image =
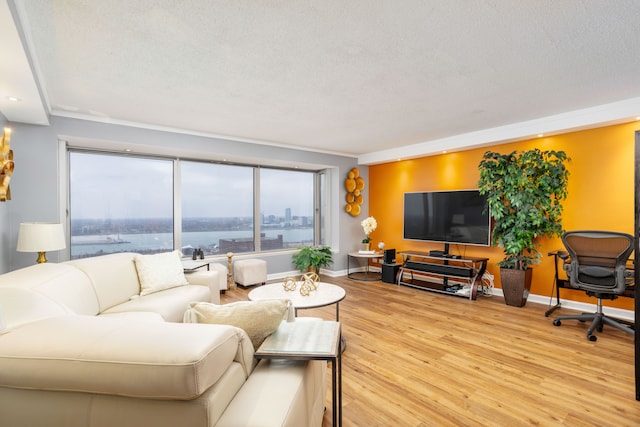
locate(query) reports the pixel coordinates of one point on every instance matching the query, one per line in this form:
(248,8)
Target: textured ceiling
(352,77)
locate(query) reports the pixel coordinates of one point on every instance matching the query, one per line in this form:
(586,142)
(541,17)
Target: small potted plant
(369,225)
(311,258)
(524,191)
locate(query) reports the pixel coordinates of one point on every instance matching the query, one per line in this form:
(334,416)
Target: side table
(309,339)
(191,266)
(366,275)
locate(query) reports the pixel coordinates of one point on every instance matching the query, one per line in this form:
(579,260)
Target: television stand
(443,274)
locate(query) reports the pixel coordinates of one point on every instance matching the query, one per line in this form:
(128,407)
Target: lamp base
(42,257)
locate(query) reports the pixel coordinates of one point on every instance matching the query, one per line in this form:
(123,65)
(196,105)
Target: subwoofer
(389,256)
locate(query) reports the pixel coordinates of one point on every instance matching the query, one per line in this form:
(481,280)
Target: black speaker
(390,272)
(389,256)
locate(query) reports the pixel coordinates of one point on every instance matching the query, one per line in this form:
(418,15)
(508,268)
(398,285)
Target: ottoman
(250,272)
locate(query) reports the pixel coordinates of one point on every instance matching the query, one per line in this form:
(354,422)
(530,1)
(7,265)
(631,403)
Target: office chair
(597,264)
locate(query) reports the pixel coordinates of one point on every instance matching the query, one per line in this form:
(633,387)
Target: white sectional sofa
(80,346)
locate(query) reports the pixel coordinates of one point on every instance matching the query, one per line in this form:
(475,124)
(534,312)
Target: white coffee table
(326,294)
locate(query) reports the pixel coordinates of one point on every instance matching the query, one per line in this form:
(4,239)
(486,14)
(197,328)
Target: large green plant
(312,256)
(524,192)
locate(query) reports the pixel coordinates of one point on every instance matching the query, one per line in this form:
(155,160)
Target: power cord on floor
(487,284)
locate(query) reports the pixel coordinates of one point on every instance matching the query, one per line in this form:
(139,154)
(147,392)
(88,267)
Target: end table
(309,339)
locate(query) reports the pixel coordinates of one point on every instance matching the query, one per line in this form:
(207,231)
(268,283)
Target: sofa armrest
(210,279)
(222,273)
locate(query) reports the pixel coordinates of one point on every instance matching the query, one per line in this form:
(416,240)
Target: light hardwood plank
(416,358)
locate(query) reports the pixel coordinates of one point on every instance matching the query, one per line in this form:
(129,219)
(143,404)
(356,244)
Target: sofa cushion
(19,306)
(137,316)
(159,272)
(32,408)
(280,393)
(60,282)
(170,303)
(259,319)
(111,355)
(113,277)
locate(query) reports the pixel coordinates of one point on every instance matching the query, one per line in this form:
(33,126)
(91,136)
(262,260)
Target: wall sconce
(6,165)
(40,237)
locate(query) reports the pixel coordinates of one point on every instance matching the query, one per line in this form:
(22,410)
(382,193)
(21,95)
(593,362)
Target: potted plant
(311,258)
(524,191)
(369,225)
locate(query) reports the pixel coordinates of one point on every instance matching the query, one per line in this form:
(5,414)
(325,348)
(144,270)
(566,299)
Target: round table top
(326,294)
(361,255)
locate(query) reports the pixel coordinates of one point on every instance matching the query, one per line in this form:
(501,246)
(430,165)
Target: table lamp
(40,237)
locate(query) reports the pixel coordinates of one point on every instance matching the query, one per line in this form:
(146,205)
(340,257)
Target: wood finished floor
(416,358)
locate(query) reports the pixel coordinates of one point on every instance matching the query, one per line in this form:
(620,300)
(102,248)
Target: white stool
(250,272)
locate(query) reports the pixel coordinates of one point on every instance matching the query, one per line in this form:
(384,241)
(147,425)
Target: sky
(113,186)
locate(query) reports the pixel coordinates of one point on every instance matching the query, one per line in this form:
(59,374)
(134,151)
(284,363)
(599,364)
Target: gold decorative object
(290,284)
(354,184)
(308,282)
(311,279)
(305,289)
(6,165)
(350,184)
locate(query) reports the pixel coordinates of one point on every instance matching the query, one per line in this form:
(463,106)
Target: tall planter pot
(516,285)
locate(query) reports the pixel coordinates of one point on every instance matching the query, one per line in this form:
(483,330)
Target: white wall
(36,193)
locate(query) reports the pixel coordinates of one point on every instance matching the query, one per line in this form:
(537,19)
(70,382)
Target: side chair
(597,264)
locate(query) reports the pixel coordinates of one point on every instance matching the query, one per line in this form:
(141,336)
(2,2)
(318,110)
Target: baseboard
(575,305)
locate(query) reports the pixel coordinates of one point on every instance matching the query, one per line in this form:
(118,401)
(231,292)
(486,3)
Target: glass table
(191,266)
(309,339)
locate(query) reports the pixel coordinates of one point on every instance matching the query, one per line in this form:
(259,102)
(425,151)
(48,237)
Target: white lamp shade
(40,237)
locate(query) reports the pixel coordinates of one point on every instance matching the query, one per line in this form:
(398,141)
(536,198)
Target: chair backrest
(598,260)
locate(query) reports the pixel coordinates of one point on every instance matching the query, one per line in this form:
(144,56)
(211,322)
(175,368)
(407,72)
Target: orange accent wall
(600,194)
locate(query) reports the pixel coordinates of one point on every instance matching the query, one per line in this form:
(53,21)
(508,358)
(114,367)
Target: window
(286,208)
(217,208)
(119,203)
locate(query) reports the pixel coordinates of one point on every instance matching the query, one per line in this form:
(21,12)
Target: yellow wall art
(354,184)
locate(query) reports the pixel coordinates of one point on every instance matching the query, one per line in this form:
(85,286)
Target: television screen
(458,216)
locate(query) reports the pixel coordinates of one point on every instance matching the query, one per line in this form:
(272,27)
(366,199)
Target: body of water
(84,246)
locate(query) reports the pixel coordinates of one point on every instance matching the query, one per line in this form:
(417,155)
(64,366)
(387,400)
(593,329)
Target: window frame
(320,234)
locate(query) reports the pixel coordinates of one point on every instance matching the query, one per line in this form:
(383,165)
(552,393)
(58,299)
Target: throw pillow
(160,271)
(259,319)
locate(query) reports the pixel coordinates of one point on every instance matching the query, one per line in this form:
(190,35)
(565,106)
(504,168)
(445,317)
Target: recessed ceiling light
(540,135)
(13,98)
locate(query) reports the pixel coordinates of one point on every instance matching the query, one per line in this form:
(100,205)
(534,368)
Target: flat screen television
(459,216)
